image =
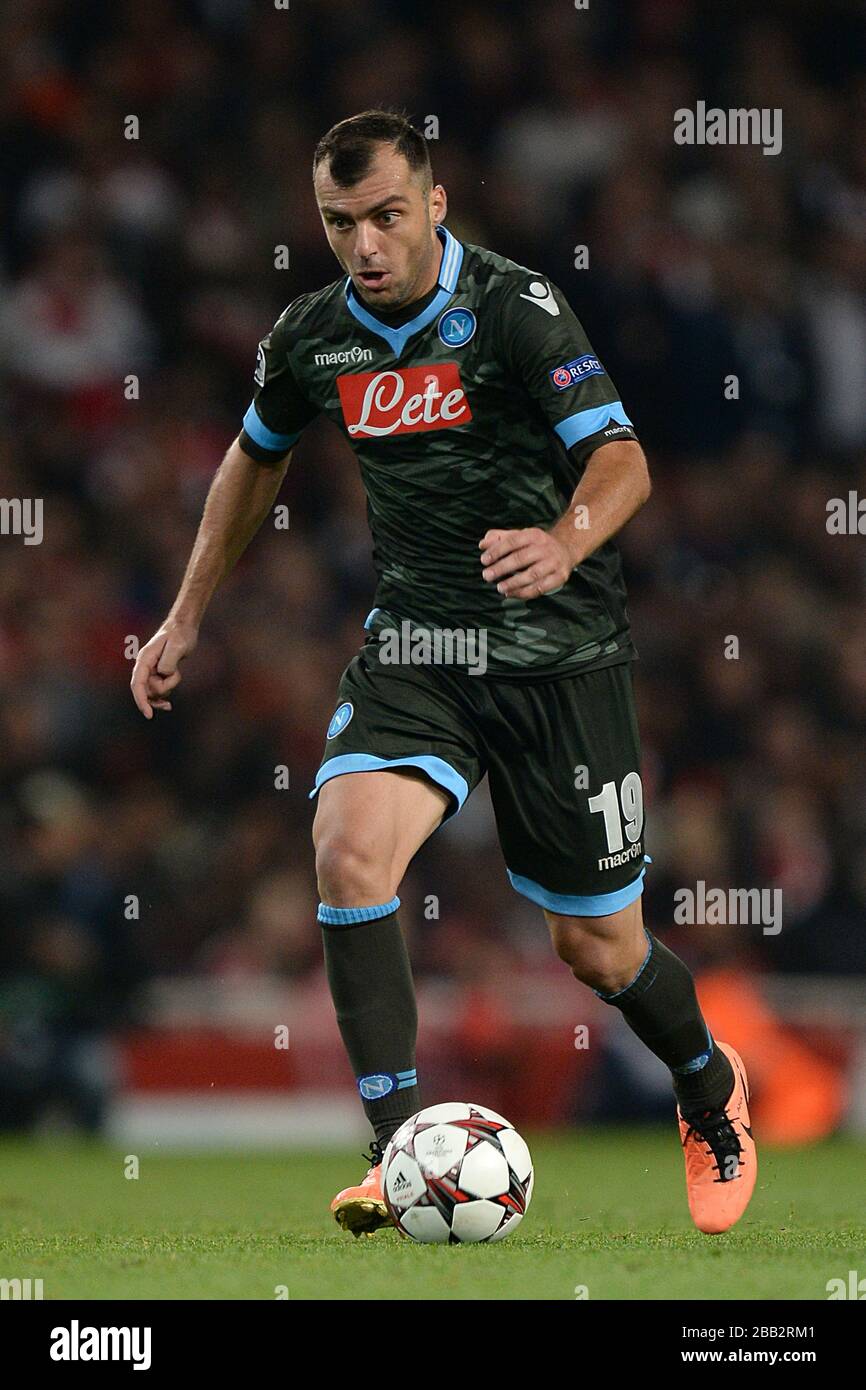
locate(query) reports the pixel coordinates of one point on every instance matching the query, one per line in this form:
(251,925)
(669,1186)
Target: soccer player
(498,463)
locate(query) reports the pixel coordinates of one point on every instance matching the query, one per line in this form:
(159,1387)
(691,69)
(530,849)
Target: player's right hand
(155,673)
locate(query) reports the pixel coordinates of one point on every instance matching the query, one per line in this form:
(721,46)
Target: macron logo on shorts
(377,404)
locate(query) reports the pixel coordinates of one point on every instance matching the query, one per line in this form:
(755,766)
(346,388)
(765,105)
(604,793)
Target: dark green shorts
(562,757)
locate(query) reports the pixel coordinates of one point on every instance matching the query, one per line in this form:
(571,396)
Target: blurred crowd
(136,278)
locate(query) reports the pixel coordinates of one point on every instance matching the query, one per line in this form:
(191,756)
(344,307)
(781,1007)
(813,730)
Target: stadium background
(155,257)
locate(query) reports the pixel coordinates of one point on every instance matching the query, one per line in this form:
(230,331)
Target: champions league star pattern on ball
(479,411)
(455,1174)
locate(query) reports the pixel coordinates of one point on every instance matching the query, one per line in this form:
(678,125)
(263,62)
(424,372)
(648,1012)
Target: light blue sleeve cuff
(265,438)
(587,422)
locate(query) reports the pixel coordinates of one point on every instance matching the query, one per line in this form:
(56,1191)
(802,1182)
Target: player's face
(382,230)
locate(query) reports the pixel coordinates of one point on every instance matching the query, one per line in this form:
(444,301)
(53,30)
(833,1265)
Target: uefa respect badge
(570,373)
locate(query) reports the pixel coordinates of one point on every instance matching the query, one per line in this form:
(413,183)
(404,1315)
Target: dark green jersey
(478,412)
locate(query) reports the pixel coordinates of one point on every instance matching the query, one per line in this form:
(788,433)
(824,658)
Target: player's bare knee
(589,956)
(600,951)
(352,873)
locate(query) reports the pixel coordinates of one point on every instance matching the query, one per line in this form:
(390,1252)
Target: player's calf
(655,993)
(368,825)
(628,968)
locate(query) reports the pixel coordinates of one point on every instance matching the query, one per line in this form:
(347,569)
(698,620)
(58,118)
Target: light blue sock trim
(697,1063)
(609,998)
(345,916)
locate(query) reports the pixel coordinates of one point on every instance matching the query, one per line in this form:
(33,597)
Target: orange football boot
(362,1209)
(721,1158)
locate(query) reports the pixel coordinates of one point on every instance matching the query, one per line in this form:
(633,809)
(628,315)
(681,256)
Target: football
(455,1174)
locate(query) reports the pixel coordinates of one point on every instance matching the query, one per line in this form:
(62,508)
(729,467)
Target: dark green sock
(661,1007)
(368,970)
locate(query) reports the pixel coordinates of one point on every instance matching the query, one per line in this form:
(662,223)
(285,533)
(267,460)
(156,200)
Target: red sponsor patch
(407,401)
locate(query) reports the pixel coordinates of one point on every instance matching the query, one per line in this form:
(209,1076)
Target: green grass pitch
(608,1214)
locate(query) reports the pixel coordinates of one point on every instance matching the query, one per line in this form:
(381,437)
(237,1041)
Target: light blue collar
(449,272)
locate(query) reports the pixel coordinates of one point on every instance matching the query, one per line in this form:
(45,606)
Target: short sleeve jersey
(478,412)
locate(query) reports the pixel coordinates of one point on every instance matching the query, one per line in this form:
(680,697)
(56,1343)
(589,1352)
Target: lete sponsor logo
(376,404)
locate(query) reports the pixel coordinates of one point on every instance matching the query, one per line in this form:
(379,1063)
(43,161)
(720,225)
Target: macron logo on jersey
(542,295)
(376,404)
(572,372)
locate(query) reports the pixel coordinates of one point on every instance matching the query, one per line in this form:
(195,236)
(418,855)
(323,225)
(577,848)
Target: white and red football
(457,1173)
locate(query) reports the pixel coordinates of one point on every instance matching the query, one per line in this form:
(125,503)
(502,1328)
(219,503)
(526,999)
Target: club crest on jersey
(342,715)
(404,401)
(457,326)
(570,373)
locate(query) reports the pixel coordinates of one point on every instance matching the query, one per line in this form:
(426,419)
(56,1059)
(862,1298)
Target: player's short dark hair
(350,145)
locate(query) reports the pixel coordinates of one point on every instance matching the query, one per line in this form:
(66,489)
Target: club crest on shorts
(457,326)
(342,715)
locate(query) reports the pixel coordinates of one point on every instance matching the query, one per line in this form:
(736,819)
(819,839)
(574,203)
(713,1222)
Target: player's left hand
(525,564)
